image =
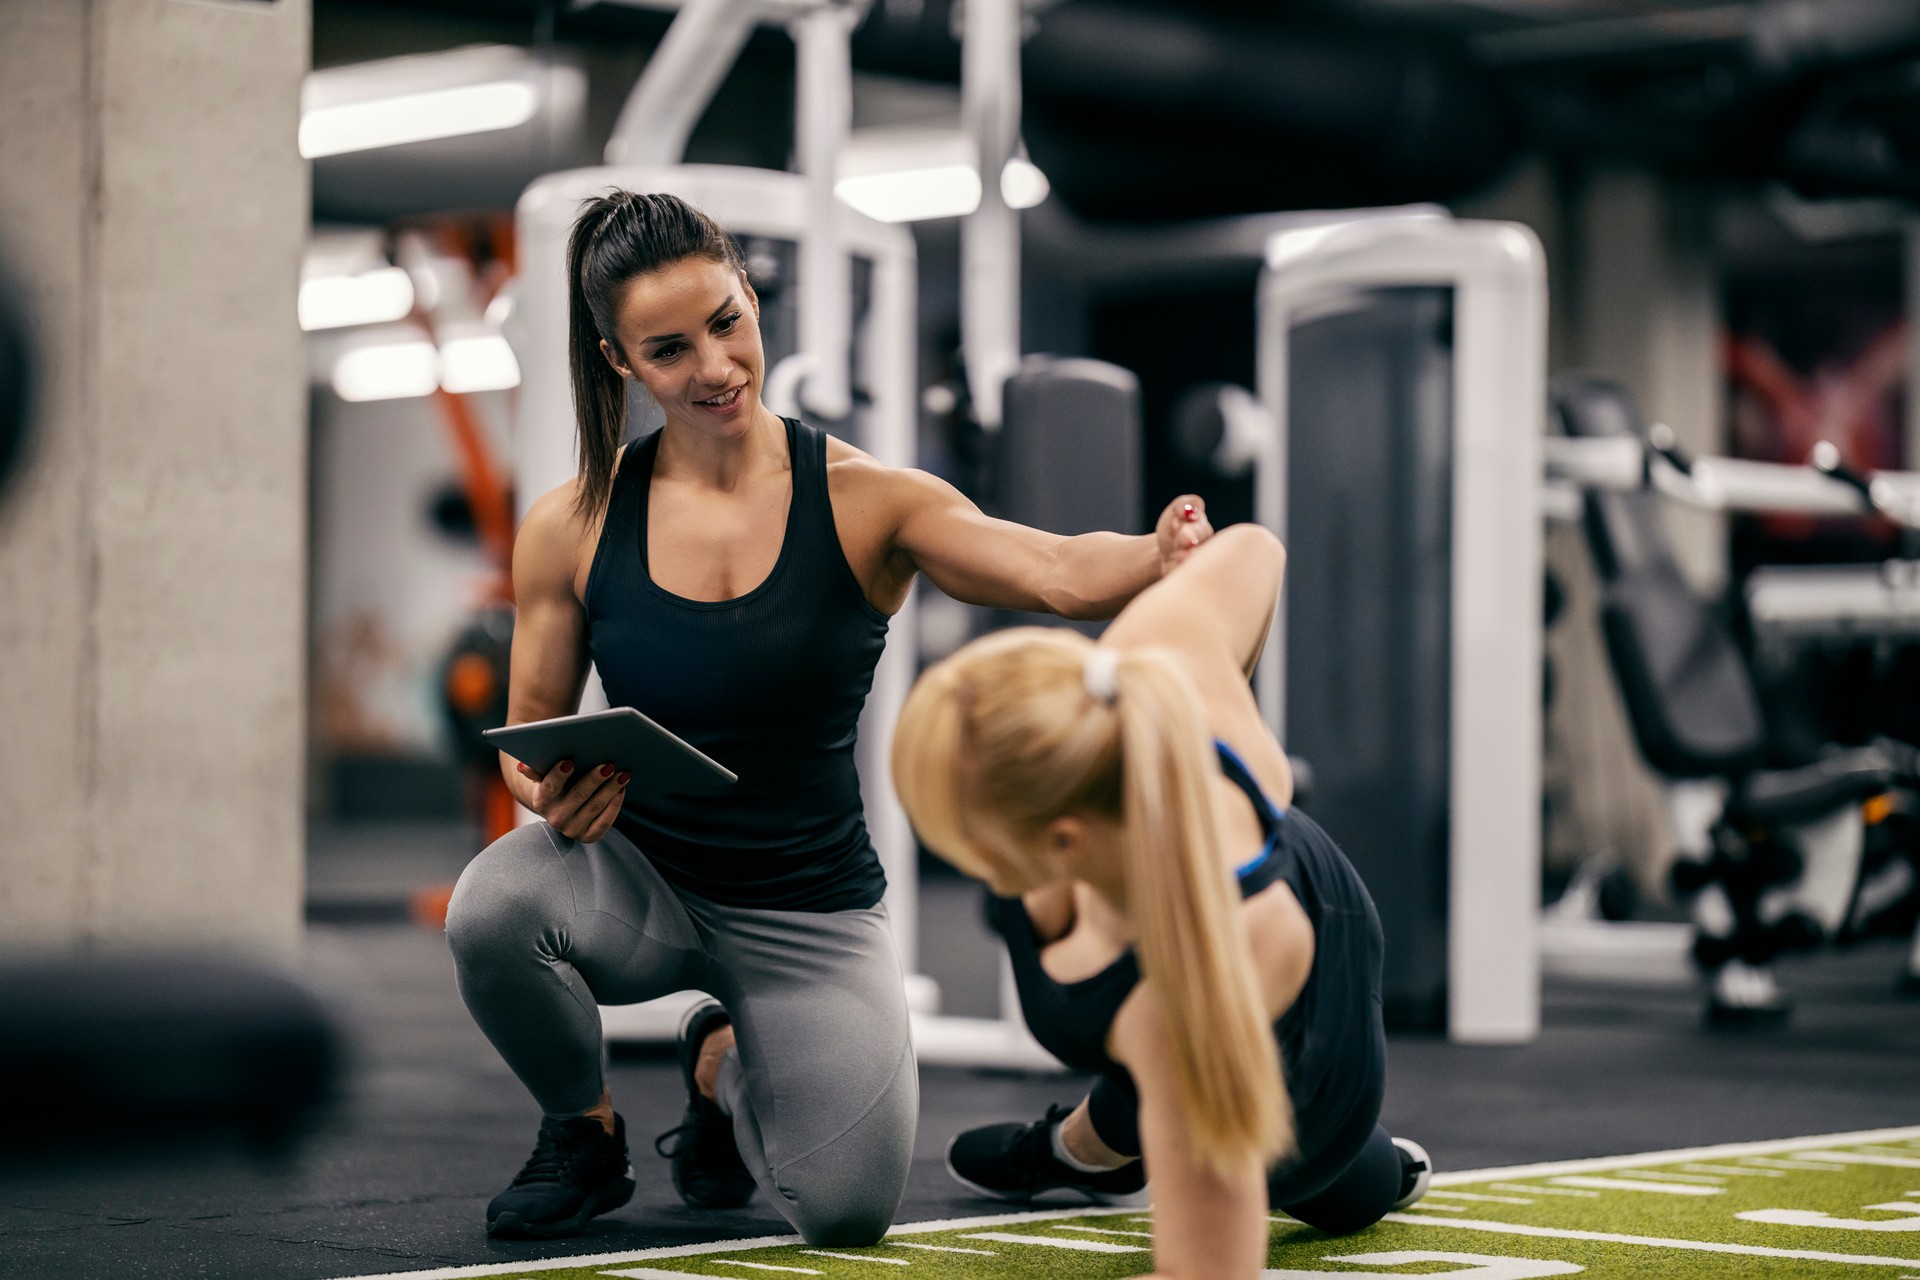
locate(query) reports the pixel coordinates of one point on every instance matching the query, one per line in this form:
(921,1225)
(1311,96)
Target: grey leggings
(822,1085)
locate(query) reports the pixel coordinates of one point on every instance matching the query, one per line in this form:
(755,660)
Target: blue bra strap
(1270,818)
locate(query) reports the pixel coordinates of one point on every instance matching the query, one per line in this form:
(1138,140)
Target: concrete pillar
(153,205)
(1634,296)
(1647,313)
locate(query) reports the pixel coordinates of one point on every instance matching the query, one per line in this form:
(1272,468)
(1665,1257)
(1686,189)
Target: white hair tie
(1102,675)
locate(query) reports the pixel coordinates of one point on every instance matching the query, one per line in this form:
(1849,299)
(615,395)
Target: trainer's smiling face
(690,334)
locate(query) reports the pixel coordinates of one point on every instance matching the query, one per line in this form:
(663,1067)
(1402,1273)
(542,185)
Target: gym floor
(430,1124)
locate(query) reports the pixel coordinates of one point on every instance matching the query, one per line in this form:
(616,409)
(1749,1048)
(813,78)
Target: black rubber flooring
(431,1124)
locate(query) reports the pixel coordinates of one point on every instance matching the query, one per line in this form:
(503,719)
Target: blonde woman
(1174,926)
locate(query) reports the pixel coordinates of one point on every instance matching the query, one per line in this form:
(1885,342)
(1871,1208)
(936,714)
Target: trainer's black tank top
(1331,1044)
(770,684)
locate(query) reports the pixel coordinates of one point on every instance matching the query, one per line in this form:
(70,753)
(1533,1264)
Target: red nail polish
(1188,513)
(624,779)
(606,771)
(566,766)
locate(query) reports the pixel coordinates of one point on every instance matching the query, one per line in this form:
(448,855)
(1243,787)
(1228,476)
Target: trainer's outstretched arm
(980,560)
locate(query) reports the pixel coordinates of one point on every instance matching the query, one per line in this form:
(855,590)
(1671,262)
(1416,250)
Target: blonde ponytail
(1185,906)
(1019,728)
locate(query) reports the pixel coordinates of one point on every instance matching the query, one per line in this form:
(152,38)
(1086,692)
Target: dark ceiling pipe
(1139,114)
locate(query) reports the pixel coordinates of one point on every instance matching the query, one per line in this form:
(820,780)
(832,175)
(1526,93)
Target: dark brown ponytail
(616,237)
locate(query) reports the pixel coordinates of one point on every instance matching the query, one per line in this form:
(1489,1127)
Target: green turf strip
(1840,1206)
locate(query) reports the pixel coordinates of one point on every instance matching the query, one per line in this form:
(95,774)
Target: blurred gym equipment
(170,1052)
(1770,858)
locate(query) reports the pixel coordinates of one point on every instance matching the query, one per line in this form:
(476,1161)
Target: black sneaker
(1416,1172)
(707,1169)
(577,1171)
(1015,1162)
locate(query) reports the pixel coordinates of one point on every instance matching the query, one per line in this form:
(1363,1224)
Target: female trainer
(1174,926)
(731,576)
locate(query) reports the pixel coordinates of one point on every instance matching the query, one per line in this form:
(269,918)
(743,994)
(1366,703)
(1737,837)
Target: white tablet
(662,764)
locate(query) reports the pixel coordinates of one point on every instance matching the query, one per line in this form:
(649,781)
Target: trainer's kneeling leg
(821,1083)
(542,928)
(845,1192)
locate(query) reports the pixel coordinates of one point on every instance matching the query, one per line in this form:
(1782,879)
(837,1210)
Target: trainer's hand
(580,807)
(1180,528)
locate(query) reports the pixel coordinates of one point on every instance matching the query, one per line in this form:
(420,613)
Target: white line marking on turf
(1102,1231)
(1909,1136)
(678,1252)
(1533,1189)
(1608,1237)
(1661,1176)
(1477,1264)
(1763,1162)
(1086,1246)
(1731,1171)
(762,1266)
(1628,1184)
(1864,1157)
(856,1257)
(649,1273)
(1721,1152)
(943,1248)
(1468,1195)
(1815,1218)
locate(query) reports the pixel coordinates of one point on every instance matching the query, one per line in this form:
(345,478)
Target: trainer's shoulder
(858,476)
(558,524)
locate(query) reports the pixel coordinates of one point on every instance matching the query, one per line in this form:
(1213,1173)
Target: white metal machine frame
(1497,273)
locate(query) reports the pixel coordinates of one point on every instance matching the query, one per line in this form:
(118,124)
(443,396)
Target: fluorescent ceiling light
(371,297)
(416,117)
(939,191)
(909,174)
(1022,185)
(481,363)
(909,195)
(387,371)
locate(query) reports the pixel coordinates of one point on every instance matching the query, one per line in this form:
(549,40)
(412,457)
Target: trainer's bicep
(969,555)
(548,667)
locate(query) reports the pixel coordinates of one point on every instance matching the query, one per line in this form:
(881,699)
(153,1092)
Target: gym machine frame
(1497,275)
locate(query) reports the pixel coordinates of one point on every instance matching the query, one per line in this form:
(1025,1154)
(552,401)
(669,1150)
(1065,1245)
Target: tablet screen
(661,763)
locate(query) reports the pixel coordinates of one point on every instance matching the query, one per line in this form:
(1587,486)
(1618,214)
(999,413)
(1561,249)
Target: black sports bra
(1071,1019)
